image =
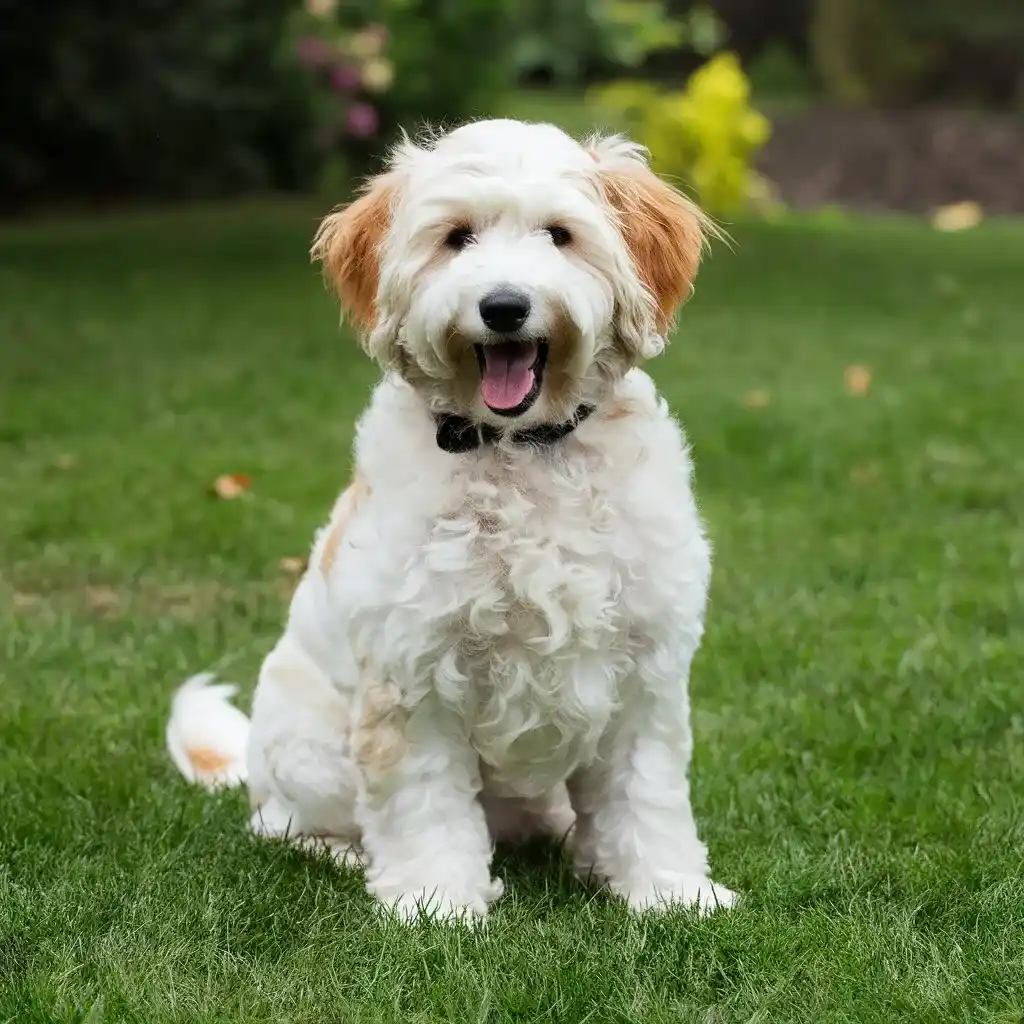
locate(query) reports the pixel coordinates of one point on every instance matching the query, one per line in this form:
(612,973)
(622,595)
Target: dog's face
(508,272)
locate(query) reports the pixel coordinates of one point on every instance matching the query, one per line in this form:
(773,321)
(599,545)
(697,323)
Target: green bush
(864,53)
(378,66)
(148,98)
(570,39)
(707,135)
(878,51)
(898,51)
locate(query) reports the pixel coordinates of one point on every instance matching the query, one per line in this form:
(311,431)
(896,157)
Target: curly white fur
(488,644)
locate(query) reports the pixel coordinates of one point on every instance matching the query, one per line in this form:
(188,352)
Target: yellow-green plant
(707,134)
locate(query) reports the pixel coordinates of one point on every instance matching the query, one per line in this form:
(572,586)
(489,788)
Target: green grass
(859,717)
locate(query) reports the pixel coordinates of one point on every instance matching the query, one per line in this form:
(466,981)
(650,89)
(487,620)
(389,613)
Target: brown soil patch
(877,161)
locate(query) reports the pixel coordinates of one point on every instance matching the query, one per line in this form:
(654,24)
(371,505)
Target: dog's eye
(559,235)
(458,238)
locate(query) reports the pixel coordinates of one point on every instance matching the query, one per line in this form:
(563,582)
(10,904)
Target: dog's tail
(207,735)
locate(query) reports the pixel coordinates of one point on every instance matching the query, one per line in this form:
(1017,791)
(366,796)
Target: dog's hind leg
(302,781)
(277,820)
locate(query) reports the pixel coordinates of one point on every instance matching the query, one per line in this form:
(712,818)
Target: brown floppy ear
(663,231)
(348,245)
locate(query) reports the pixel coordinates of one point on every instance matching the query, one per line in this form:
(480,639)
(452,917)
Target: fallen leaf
(102,598)
(857,380)
(292,565)
(865,474)
(756,399)
(957,216)
(952,454)
(231,485)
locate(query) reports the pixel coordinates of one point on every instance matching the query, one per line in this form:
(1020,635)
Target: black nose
(504,309)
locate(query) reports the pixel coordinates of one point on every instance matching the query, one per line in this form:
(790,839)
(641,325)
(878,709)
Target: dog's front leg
(423,826)
(635,826)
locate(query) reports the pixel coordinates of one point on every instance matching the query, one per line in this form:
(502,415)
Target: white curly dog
(494,634)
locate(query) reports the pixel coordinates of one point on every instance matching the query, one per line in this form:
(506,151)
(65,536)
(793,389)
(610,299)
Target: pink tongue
(508,373)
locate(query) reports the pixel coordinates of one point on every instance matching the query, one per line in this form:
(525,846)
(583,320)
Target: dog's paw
(685,891)
(452,905)
(344,852)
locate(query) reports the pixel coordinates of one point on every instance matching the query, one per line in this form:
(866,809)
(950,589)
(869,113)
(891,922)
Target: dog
(494,634)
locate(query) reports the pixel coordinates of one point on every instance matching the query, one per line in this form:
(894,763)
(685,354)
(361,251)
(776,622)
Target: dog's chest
(539,645)
(541,568)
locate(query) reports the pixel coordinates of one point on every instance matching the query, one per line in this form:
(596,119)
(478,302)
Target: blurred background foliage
(705,134)
(149,98)
(567,41)
(898,51)
(162,99)
(375,66)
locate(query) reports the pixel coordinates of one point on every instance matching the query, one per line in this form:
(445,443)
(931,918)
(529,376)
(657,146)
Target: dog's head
(510,273)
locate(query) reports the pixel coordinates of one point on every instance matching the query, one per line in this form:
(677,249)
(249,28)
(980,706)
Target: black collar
(457,434)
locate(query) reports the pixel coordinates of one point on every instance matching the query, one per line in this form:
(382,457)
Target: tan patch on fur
(348,245)
(379,742)
(464,382)
(330,550)
(206,759)
(489,523)
(344,510)
(564,370)
(619,411)
(663,230)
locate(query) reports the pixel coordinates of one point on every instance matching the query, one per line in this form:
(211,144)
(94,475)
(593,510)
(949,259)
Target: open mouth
(510,375)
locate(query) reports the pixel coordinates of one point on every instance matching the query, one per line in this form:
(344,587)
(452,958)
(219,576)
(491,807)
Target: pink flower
(344,78)
(312,52)
(361,120)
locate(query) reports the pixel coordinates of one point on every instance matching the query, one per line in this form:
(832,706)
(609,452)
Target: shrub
(896,51)
(376,66)
(706,134)
(570,39)
(148,98)
(863,53)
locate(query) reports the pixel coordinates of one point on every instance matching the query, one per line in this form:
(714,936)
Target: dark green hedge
(960,51)
(156,98)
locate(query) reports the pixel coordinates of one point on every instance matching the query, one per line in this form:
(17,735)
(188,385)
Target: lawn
(859,712)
